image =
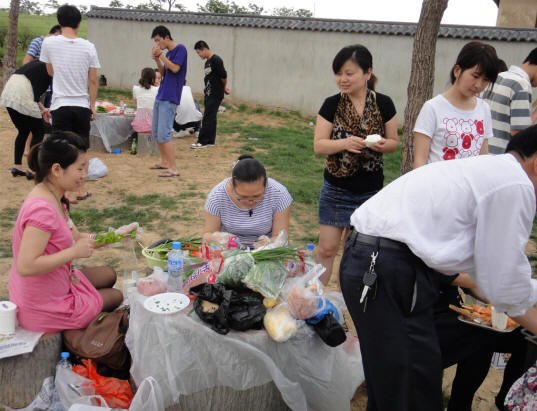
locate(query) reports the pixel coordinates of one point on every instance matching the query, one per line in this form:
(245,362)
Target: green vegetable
(111,237)
(101,109)
(278,253)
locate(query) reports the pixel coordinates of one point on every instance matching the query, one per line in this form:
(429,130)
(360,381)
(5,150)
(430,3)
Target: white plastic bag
(96,169)
(148,397)
(75,389)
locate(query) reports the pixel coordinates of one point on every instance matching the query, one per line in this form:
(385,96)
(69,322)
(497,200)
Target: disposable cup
(8,317)
(499,319)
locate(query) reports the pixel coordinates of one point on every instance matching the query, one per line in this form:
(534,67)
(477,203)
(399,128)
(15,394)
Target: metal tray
(488,327)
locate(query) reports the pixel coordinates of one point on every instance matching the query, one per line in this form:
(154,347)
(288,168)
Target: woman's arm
(422,147)
(280,221)
(31,261)
(323,145)
(484,147)
(391,140)
(212,225)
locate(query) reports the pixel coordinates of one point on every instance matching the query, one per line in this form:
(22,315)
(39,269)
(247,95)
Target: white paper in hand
(372,139)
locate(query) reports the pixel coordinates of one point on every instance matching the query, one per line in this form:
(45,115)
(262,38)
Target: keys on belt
(369,280)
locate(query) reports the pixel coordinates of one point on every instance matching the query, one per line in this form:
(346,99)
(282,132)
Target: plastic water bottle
(64,362)
(309,257)
(176,262)
(122,106)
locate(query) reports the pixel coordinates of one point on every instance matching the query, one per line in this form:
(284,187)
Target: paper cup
(499,319)
(8,317)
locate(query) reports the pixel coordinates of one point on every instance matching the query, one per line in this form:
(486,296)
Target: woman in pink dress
(144,93)
(52,296)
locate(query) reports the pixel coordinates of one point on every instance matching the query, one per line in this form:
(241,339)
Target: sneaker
(197,146)
(191,130)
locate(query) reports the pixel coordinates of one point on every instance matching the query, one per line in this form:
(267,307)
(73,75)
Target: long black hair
(476,53)
(248,170)
(147,78)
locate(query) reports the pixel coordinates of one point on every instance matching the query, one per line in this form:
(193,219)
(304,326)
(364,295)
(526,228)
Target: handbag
(103,340)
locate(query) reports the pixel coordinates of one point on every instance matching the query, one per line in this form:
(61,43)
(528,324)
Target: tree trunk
(420,85)
(10,57)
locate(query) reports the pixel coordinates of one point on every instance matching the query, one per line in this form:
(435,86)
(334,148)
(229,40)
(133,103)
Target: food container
(499,319)
(153,262)
(8,317)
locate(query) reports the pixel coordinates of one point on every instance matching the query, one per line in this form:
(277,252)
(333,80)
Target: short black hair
(356,53)
(524,143)
(55,29)
(532,57)
(161,31)
(68,16)
(247,170)
(200,45)
(476,53)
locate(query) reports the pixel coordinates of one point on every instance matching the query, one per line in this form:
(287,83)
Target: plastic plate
(166,303)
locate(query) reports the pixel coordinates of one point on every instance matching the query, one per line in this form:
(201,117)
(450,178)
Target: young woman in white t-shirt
(457,123)
(144,94)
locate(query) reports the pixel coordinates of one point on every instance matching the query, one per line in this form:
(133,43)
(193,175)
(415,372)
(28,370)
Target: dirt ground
(204,168)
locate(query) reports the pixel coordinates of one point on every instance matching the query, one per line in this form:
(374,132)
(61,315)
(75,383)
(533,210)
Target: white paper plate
(166,303)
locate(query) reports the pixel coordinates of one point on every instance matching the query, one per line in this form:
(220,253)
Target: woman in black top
(353,171)
(21,98)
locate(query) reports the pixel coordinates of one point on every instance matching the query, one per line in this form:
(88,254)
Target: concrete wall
(283,68)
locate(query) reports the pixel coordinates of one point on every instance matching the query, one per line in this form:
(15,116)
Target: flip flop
(168,174)
(87,195)
(157,167)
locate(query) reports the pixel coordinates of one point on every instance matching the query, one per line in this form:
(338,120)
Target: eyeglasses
(251,200)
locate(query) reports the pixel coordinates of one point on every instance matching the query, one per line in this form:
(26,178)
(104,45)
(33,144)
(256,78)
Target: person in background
(34,49)
(187,116)
(457,123)
(158,78)
(353,171)
(510,102)
(172,67)
(20,97)
(412,230)
(248,204)
(72,62)
(50,294)
(215,87)
(144,93)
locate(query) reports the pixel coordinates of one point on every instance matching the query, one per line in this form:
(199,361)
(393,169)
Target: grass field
(30,27)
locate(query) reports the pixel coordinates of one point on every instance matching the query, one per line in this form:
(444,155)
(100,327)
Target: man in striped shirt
(34,49)
(510,102)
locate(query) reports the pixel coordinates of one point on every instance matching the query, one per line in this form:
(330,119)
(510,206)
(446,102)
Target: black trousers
(207,134)
(73,118)
(400,351)
(25,125)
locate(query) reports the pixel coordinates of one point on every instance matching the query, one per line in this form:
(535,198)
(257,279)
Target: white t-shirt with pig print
(454,133)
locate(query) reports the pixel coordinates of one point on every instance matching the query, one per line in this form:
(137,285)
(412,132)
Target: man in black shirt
(215,87)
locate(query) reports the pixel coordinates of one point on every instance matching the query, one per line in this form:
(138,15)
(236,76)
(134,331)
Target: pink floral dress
(61,299)
(523,393)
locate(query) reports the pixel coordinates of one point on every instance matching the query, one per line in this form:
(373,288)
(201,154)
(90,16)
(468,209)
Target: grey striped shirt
(510,106)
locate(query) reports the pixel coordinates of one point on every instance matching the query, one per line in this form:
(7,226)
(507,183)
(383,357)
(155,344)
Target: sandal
(87,195)
(157,167)
(168,174)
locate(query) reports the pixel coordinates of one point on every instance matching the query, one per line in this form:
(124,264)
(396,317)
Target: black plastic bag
(330,331)
(233,312)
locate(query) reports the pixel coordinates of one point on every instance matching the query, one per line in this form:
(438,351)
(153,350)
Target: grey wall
(283,68)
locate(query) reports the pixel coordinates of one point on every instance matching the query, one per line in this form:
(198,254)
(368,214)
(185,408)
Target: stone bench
(21,377)
(146,145)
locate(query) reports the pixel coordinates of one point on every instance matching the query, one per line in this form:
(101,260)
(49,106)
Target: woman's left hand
(47,116)
(379,146)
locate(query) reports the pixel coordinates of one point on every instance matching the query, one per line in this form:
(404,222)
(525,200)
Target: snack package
(266,277)
(236,266)
(153,284)
(203,274)
(279,323)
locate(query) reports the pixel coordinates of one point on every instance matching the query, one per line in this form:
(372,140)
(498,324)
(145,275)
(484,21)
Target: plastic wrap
(236,265)
(113,130)
(266,277)
(185,356)
(280,325)
(156,283)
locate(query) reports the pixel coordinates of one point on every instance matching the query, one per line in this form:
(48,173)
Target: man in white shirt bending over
(472,216)
(72,62)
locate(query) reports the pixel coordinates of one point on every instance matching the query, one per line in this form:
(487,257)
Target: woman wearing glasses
(248,204)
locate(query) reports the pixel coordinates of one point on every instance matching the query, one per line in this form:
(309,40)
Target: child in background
(144,94)
(158,77)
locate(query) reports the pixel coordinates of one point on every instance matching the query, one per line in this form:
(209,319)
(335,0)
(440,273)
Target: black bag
(233,312)
(330,331)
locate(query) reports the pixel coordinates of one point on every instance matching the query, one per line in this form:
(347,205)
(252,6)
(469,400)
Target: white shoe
(197,146)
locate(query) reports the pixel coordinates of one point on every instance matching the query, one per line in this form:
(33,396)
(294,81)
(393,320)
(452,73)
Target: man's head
(530,66)
(161,35)
(69,16)
(55,30)
(524,144)
(202,48)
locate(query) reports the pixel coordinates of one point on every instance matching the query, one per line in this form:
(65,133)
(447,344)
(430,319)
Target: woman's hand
(379,146)
(83,247)
(354,144)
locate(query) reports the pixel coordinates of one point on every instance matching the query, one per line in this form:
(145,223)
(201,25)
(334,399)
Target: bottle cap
(176,245)
(310,246)
(64,355)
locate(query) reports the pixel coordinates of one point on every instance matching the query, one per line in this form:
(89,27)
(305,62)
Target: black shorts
(73,118)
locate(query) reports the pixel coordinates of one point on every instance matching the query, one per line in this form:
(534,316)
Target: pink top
(57,300)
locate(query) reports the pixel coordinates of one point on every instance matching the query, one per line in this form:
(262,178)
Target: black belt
(372,240)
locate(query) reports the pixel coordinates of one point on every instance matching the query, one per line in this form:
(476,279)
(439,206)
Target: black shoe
(15,172)
(29,175)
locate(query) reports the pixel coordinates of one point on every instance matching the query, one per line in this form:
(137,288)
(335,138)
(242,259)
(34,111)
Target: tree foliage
(291,12)
(30,7)
(229,7)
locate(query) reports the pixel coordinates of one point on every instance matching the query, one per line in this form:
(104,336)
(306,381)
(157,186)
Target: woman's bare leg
(103,279)
(329,239)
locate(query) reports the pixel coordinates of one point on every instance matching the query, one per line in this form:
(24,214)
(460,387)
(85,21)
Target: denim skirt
(337,204)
